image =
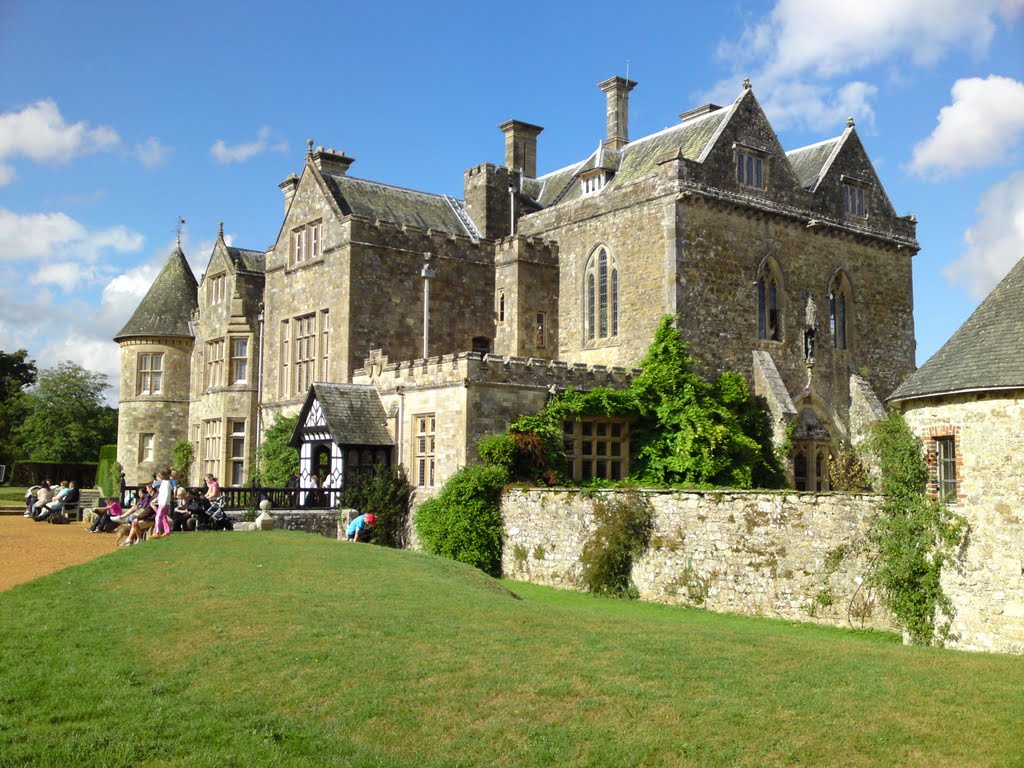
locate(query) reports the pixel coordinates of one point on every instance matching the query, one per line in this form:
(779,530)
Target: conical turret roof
(167,308)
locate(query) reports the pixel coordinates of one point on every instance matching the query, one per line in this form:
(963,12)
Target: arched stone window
(601,295)
(501,306)
(839,309)
(769,301)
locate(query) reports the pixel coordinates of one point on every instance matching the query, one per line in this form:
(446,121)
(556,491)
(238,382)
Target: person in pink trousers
(163,507)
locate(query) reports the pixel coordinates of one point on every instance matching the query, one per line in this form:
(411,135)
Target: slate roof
(246,260)
(637,159)
(809,163)
(987,352)
(168,305)
(353,412)
(397,205)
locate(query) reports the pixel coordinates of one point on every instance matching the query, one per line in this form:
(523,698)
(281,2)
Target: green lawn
(288,649)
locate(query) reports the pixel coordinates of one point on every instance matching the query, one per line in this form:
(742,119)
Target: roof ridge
(440,195)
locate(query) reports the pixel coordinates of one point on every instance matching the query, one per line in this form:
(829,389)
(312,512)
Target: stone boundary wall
(474,367)
(777,554)
(330,523)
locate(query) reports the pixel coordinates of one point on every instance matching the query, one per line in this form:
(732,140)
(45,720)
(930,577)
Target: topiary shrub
(623,532)
(385,493)
(463,522)
(182,456)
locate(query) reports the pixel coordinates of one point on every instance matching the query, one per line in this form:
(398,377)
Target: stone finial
(849,122)
(309,147)
(220,231)
(746,84)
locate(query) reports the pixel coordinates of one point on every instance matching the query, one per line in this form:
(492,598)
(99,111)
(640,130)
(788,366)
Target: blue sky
(118,118)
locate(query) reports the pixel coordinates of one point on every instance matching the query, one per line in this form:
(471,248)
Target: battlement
(484,168)
(532,248)
(467,368)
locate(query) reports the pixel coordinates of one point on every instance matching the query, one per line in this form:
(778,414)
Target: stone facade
(789,267)
(781,555)
(150,423)
(467,396)
(987,584)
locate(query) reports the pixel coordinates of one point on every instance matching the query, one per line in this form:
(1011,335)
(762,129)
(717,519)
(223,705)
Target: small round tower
(156,356)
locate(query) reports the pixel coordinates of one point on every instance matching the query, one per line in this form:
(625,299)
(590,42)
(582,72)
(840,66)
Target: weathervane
(181,223)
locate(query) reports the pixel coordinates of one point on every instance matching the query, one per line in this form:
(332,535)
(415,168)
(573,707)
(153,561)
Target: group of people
(162,506)
(47,502)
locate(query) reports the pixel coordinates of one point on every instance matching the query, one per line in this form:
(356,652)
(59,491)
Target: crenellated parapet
(535,250)
(468,368)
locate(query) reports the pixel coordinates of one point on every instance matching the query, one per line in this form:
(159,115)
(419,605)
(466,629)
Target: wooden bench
(87,498)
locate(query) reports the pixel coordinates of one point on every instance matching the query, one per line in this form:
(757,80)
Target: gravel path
(29,550)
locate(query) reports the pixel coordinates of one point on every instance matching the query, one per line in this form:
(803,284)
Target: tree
(276,460)
(183,455)
(16,373)
(66,418)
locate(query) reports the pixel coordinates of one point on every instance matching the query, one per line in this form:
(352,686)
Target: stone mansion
(402,325)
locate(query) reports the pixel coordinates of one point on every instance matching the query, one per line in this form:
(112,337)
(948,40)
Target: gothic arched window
(601,296)
(839,308)
(769,302)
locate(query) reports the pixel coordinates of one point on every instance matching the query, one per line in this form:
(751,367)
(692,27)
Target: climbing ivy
(686,430)
(915,536)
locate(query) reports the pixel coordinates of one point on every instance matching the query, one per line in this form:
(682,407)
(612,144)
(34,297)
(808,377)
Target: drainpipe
(427,274)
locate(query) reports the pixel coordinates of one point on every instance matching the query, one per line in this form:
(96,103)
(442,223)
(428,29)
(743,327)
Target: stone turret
(156,350)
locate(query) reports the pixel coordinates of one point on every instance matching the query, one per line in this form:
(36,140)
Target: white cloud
(7,175)
(802,51)
(56,236)
(150,153)
(995,243)
(40,133)
(984,123)
(239,153)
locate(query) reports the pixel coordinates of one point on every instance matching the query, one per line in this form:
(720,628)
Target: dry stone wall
(786,555)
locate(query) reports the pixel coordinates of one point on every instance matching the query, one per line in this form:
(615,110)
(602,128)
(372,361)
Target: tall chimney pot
(616,91)
(521,147)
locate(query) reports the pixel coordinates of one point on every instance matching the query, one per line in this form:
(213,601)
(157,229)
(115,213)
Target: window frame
(424,449)
(239,367)
(601,297)
(597,447)
(149,373)
(751,162)
(947,478)
(770,296)
(147,447)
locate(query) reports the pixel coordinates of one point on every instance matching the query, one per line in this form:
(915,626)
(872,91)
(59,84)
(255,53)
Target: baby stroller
(213,518)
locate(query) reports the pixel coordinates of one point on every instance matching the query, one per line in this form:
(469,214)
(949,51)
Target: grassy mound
(286,649)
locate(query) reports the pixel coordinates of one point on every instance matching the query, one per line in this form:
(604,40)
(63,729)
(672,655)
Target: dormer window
(749,169)
(593,182)
(854,198)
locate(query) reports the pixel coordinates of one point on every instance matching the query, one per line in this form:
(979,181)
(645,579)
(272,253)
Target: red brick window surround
(945,463)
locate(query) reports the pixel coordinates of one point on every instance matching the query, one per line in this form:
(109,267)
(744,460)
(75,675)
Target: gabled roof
(811,163)
(245,260)
(987,352)
(167,307)
(352,414)
(689,139)
(396,205)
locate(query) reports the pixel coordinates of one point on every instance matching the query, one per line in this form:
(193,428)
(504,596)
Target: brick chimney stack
(521,147)
(617,90)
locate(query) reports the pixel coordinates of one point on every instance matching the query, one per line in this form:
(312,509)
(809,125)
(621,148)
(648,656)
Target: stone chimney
(332,161)
(288,186)
(521,147)
(617,90)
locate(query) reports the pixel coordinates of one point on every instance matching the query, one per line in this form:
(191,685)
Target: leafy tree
(66,418)
(16,373)
(276,461)
(182,456)
(686,430)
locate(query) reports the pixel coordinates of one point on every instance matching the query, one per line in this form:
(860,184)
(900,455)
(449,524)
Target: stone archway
(813,446)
